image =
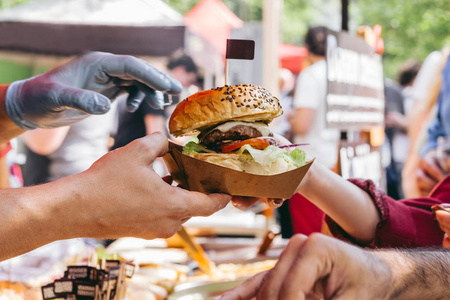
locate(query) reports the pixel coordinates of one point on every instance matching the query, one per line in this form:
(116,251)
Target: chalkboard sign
(355,98)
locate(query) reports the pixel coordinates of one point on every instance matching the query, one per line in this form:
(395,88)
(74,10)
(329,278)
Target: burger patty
(215,138)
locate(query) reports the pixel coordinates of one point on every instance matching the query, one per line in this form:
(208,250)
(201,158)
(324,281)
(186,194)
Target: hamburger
(231,124)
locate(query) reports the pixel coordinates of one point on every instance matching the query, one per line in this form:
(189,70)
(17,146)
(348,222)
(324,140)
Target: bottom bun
(245,163)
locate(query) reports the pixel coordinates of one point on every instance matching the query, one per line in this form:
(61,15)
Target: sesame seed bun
(244,102)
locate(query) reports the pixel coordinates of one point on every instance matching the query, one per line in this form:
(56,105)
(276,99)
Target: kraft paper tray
(201,176)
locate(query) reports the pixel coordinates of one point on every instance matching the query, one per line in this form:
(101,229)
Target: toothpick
(226,71)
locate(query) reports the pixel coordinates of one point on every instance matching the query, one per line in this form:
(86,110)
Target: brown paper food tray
(201,176)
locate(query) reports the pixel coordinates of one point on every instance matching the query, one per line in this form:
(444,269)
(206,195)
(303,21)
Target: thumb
(86,101)
(246,290)
(150,147)
(199,204)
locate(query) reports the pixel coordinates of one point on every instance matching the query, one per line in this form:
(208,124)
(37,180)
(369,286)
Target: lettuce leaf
(269,155)
(193,148)
(266,157)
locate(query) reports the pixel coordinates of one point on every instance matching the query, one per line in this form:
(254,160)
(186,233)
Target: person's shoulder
(319,68)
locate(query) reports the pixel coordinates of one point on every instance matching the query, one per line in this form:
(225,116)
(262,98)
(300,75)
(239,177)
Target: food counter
(163,268)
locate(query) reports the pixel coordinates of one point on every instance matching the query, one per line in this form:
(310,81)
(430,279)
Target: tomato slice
(260,144)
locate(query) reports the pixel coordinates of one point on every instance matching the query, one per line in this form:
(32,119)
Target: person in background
(425,94)
(398,106)
(308,125)
(120,194)
(394,107)
(282,127)
(321,267)
(59,152)
(286,83)
(431,168)
(146,119)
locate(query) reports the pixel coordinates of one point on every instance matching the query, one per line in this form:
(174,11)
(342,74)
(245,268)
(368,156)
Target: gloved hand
(84,86)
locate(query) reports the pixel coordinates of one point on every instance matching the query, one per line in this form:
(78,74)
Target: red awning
(292,57)
(213,20)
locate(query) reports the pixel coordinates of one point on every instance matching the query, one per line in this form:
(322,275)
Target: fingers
(244,203)
(274,203)
(424,182)
(247,290)
(274,280)
(132,68)
(199,204)
(83,100)
(135,98)
(443,218)
(446,241)
(149,147)
(431,167)
(308,267)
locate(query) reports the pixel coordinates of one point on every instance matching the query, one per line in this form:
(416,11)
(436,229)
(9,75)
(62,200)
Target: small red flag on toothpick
(238,49)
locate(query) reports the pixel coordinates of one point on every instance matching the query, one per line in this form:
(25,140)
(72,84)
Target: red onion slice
(293,145)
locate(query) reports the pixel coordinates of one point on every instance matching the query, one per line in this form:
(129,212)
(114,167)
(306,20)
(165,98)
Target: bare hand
(443,218)
(395,119)
(429,172)
(318,267)
(244,203)
(125,196)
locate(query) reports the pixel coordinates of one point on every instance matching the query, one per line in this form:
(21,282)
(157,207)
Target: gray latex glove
(84,86)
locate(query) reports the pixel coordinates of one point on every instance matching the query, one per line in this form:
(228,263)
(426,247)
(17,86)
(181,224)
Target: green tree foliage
(411,29)
(9,3)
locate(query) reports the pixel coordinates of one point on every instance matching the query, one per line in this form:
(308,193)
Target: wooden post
(344,25)
(271,40)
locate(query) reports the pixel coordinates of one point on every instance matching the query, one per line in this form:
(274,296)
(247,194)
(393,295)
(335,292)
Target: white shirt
(311,91)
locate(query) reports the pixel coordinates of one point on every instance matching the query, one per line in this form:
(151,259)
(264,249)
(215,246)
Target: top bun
(244,102)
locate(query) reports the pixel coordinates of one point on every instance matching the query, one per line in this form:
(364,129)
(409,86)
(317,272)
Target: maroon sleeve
(403,223)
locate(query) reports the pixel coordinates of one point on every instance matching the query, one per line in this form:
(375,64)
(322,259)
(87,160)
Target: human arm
(308,97)
(45,141)
(320,267)
(430,172)
(4,170)
(302,120)
(360,212)
(349,206)
(395,119)
(120,195)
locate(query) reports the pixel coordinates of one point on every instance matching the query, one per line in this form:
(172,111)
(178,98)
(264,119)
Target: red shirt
(404,223)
